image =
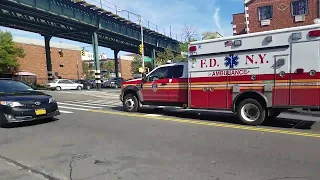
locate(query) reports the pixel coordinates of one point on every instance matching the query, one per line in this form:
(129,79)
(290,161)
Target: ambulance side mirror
(144,77)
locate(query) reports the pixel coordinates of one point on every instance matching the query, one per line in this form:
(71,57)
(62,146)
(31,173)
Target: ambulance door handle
(204,89)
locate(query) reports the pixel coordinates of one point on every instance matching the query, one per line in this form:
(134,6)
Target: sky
(201,15)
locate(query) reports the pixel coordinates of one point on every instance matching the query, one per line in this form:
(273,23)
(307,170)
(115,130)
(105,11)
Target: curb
(301,112)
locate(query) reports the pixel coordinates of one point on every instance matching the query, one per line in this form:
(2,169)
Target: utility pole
(142,53)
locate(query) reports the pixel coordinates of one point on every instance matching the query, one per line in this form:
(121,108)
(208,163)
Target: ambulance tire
(131,103)
(251,112)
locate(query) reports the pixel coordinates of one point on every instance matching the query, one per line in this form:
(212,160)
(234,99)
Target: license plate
(41,111)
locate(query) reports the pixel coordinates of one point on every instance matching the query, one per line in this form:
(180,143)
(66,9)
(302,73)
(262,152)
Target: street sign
(147,59)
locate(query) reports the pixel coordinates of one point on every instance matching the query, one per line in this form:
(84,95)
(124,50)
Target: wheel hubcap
(129,103)
(250,112)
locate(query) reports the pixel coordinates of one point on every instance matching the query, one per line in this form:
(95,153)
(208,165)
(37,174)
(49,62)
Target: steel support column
(153,56)
(116,62)
(48,57)
(96,60)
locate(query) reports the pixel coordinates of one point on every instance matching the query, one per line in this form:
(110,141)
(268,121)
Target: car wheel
(251,112)
(130,103)
(116,86)
(3,121)
(79,88)
(88,87)
(58,88)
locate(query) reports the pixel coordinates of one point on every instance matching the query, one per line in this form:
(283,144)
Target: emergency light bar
(193,48)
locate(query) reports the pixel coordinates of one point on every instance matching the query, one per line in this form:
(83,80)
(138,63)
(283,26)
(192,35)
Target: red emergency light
(314,33)
(193,48)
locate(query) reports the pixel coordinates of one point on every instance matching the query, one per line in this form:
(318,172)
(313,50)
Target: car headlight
(51,100)
(10,103)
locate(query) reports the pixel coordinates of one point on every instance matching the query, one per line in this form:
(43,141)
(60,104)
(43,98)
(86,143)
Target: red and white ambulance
(257,76)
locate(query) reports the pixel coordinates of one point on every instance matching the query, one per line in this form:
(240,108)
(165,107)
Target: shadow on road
(31,123)
(225,117)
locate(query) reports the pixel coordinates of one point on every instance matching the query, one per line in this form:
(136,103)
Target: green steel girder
(66,16)
(37,27)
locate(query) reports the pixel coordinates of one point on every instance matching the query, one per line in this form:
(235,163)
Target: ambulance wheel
(251,112)
(130,103)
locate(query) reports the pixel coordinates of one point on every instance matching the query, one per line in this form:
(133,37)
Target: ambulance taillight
(193,48)
(314,33)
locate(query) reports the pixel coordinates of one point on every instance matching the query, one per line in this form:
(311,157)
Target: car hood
(24,96)
(132,81)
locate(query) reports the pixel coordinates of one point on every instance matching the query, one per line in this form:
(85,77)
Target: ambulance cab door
(178,84)
(155,89)
(281,68)
(305,63)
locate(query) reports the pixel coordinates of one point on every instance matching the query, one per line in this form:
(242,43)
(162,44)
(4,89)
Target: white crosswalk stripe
(66,112)
(69,107)
(78,105)
(93,93)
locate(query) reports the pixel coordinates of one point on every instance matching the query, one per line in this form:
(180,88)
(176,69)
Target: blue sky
(202,15)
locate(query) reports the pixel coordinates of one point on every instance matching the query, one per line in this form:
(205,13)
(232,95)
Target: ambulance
(257,76)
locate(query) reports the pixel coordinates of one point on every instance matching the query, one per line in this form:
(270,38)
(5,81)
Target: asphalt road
(106,143)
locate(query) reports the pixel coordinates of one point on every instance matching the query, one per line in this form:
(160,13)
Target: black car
(19,102)
(86,84)
(115,82)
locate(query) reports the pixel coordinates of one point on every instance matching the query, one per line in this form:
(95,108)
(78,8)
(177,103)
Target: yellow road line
(190,121)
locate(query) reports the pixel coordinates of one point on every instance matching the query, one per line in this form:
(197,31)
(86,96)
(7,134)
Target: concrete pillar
(48,57)
(116,62)
(96,60)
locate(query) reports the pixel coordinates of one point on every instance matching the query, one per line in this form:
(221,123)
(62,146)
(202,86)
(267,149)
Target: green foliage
(86,70)
(9,52)
(109,66)
(183,47)
(209,35)
(163,57)
(137,63)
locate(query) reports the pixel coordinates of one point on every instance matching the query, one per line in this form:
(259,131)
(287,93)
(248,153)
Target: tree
(189,33)
(9,52)
(163,57)
(209,35)
(109,66)
(137,63)
(86,70)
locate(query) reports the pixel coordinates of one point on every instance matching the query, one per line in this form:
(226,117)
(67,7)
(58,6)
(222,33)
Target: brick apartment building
(35,59)
(264,15)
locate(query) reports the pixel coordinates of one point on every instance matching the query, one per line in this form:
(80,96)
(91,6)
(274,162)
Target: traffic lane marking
(192,121)
(78,105)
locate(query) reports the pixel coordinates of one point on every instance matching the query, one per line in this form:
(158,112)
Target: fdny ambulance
(256,76)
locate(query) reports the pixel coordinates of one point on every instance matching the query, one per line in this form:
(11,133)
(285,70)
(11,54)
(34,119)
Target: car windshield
(56,80)
(9,86)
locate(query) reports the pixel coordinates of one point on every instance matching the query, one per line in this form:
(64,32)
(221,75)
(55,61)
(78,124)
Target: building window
(299,7)
(265,12)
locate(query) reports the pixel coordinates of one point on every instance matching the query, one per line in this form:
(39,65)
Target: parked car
(19,102)
(86,84)
(115,82)
(62,84)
